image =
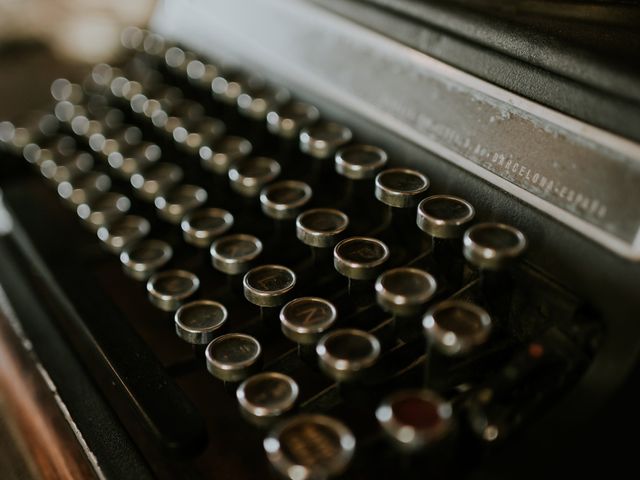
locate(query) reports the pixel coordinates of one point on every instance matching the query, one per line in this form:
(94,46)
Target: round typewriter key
(205,132)
(283,200)
(154,182)
(233,254)
(360,258)
(249,175)
(323,139)
(404,291)
(456,326)
(233,357)
(169,289)
(142,259)
(123,232)
(201,227)
(289,119)
(85,189)
(358,162)
(109,207)
(67,169)
(228,86)
(201,74)
(321,227)
(180,200)
(444,216)
(305,320)
(199,322)
(400,187)
(257,103)
(134,160)
(228,150)
(310,447)
(268,285)
(415,419)
(265,396)
(493,246)
(345,354)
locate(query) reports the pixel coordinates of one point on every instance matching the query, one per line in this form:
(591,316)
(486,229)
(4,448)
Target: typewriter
(312,240)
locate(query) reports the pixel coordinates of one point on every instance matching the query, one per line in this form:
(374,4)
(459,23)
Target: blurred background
(41,40)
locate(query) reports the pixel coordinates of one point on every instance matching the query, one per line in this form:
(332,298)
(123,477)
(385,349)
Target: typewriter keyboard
(262,295)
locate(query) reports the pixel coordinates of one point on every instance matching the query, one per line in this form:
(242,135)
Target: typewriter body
(307,240)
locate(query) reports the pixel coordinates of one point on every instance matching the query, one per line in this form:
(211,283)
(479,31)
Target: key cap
(308,446)
(200,321)
(268,285)
(201,227)
(228,86)
(323,139)
(455,327)
(67,169)
(359,162)
(85,189)
(233,254)
(105,210)
(266,396)
(415,419)
(248,176)
(224,153)
(404,291)
(205,132)
(169,289)
(142,259)
(346,354)
(157,180)
(287,120)
(233,357)
(123,233)
(257,103)
(321,227)
(493,246)
(283,200)
(134,160)
(400,187)
(360,258)
(173,205)
(305,320)
(201,74)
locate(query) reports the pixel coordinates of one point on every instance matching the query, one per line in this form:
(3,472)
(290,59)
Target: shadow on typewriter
(253,291)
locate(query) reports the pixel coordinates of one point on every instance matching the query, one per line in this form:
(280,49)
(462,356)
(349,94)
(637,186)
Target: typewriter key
(345,354)
(268,285)
(444,216)
(201,74)
(109,207)
(360,258)
(199,322)
(67,169)
(228,150)
(201,227)
(257,103)
(265,396)
(62,89)
(66,111)
(169,289)
(283,200)
(85,189)
(85,127)
(120,141)
(233,254)
(228,86)
(404,291)
(123,232)
(249,175)
(400,187)
(359,162)
(155,181)
(135,160)
(323,139)
(455,327)
(205,132)
(289,119)
(321,227)
(305,320)
(493,246)
(180,200)
(310,447)
(144,258)
(233,357)
(176,59)
(415,419)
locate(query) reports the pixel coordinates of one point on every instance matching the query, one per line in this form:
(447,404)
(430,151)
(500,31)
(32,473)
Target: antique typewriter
(306,240)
